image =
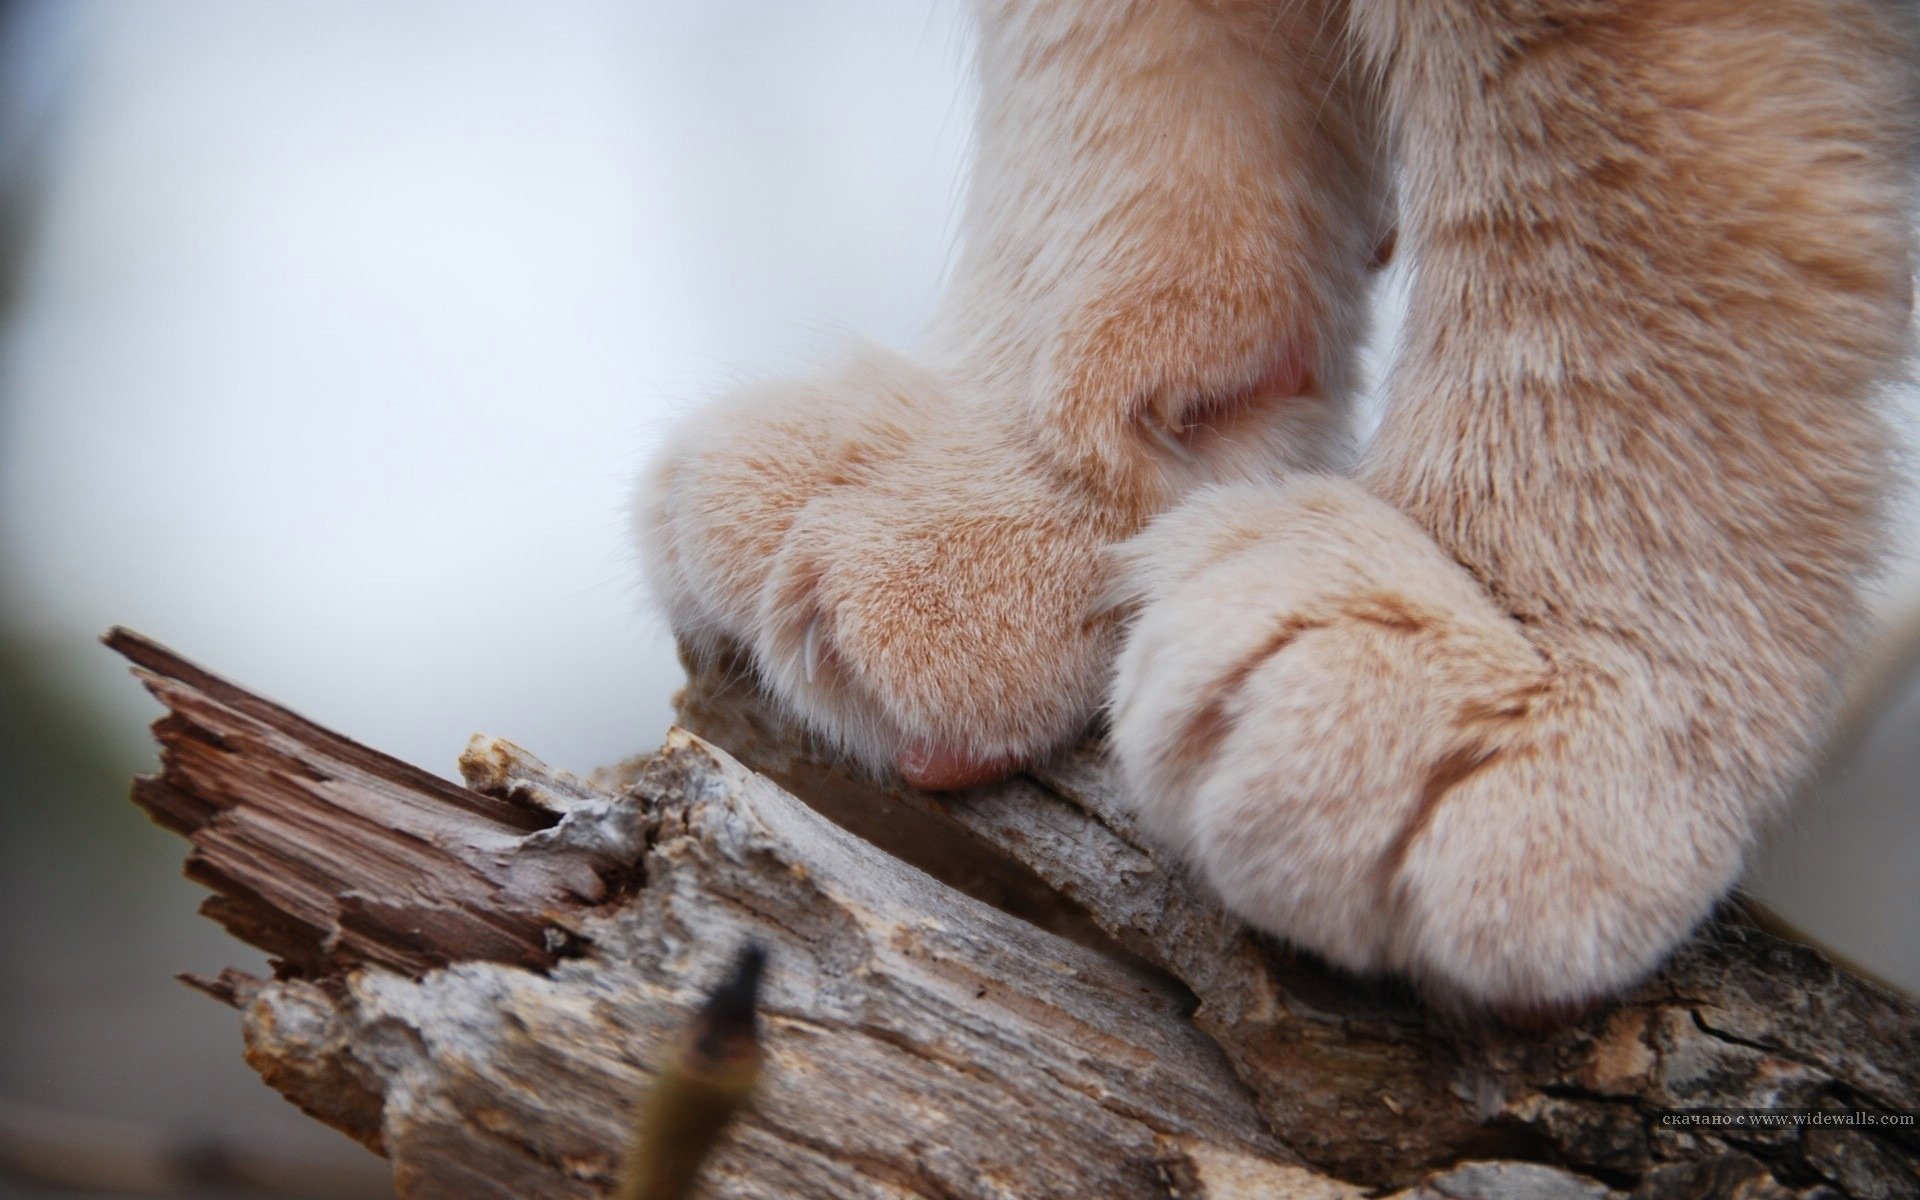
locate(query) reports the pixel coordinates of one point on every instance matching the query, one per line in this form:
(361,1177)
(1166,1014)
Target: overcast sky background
(346,325)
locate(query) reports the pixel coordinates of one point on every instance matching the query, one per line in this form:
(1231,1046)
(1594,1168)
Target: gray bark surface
(1002,994)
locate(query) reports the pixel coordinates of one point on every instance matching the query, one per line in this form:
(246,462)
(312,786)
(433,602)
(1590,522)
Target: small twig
(709,1076)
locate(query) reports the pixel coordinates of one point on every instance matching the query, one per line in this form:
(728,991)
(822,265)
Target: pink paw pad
(935,768)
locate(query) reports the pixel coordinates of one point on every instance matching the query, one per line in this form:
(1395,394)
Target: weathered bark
(474,980)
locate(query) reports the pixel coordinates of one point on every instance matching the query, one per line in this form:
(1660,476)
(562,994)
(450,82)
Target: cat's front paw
(908,578)
(1335,725)
(717,500)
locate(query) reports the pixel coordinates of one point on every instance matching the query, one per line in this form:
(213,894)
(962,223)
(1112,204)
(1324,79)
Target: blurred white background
(345,325)
(334,335)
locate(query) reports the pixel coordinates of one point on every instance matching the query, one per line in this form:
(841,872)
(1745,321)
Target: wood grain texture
(999,994)
(1367,1084)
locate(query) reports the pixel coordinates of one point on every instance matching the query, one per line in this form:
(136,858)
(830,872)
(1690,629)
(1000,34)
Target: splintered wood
(1000,995)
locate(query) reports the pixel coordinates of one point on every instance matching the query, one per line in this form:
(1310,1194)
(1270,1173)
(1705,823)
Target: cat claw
(1171,442)
(810,650)
(1112,601)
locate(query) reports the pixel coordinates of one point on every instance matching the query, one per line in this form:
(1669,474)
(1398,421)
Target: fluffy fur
(1499,705)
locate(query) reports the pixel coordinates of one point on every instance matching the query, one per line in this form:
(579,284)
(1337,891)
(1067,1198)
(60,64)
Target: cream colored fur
(1500,704)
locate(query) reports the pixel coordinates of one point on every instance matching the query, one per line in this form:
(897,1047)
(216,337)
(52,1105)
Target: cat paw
(1333,723)
(906,576)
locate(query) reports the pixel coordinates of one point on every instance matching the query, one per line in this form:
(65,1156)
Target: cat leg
(1504,712)
(1161,277)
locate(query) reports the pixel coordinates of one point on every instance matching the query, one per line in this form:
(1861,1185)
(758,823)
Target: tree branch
(475,980)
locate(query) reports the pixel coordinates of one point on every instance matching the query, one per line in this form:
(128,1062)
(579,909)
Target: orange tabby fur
(1499,705)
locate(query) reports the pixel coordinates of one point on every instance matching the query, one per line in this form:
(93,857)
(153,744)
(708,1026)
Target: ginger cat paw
(908,579)
(1332,721)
